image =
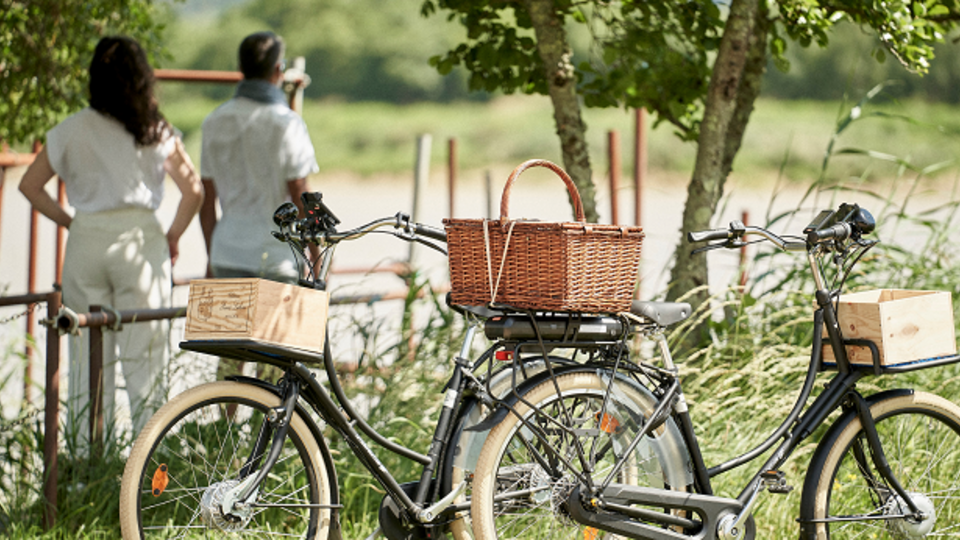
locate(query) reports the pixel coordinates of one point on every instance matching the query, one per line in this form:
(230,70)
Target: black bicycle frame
(839,392)
(341,416)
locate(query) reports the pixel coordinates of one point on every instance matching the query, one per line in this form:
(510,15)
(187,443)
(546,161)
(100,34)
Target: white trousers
(120,259)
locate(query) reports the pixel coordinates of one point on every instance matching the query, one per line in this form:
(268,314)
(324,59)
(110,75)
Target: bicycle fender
(510,401)
(808,495)
(334,532)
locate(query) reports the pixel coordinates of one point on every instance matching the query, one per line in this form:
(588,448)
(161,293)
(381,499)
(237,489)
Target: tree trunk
(556,54)
(734,86)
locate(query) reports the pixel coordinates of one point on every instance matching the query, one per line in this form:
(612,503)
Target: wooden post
(745,217)
(613,153)
(639,163)
(51,420)
(639,171)
(451,172)
(420,175)
(488,190)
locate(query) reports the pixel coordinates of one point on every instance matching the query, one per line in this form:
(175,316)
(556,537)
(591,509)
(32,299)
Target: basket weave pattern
(570,266)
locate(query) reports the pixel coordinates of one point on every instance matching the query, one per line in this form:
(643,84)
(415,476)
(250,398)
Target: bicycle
(246,456)
(886,468)
(582,443)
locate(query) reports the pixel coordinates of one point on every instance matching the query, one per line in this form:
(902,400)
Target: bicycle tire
(920,435)
(463,450)
(504,462)
(203,447)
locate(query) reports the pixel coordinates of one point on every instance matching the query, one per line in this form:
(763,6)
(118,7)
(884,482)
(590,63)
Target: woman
(112,157)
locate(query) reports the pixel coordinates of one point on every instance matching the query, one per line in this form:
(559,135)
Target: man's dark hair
(259,54)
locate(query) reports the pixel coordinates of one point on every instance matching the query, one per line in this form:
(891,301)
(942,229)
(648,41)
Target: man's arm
(208,217)
(296,188)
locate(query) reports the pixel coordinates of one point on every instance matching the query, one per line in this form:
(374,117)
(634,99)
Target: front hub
(212,513)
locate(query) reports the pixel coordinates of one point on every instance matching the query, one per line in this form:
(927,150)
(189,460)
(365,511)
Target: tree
(523,45)
(694,64)
(47,46)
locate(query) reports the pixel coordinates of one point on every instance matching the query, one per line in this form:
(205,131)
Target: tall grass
(745,379)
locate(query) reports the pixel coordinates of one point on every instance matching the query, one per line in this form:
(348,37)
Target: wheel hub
(911,529)
(211,509)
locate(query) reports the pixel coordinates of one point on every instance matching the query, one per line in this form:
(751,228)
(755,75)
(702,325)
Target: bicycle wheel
(513,459)
(190,453)
(920,435)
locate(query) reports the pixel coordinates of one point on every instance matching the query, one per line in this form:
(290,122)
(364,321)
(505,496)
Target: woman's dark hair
(259,54)
(121,85)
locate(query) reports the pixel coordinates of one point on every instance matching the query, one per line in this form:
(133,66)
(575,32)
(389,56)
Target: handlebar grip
(703,236)
(430,232)
(840,231)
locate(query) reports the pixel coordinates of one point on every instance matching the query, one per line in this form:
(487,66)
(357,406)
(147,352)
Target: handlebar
(848,222)
(430,232)
(319,225)
(704,236)
(838,232)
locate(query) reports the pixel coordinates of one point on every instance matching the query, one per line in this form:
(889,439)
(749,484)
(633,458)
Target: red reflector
(503,356)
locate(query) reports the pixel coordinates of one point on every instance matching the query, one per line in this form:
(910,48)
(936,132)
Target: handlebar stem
(815,269)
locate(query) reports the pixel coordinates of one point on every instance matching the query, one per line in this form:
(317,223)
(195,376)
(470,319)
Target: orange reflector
(160,480)
(609,424)
(590,533)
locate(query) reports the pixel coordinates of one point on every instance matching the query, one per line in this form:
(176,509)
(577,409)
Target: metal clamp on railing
(68,322)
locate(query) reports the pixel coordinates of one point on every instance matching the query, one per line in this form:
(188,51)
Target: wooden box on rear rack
(258,310)
(905,325)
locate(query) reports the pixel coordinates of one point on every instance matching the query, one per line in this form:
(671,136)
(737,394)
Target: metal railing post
(96,387)
(61,234)
(51,419)
(30,318)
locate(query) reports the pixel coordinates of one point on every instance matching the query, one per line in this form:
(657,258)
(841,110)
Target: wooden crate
(257,309)
(905,325)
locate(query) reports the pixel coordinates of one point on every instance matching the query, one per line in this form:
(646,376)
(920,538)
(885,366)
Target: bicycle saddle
(662,313)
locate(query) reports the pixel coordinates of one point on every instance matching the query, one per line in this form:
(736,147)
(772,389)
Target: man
(256,154)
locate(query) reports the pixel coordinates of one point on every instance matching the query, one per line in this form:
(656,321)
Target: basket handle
(571,187)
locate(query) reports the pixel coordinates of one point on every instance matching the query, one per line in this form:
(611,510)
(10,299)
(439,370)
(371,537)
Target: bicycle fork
(239,501)
(859,404)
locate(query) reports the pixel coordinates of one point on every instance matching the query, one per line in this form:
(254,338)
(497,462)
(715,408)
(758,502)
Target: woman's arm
(180,168)
(32,186)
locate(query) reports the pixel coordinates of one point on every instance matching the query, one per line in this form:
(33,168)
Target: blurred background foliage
(368,50)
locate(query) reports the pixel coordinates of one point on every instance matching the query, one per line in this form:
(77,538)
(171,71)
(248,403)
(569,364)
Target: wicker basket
(548,266)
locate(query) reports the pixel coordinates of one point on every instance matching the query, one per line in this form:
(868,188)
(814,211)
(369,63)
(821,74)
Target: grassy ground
(374,138)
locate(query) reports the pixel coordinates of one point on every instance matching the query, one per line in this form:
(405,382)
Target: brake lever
(419,240)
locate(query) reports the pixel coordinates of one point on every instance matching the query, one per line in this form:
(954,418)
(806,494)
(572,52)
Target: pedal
(775,482)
